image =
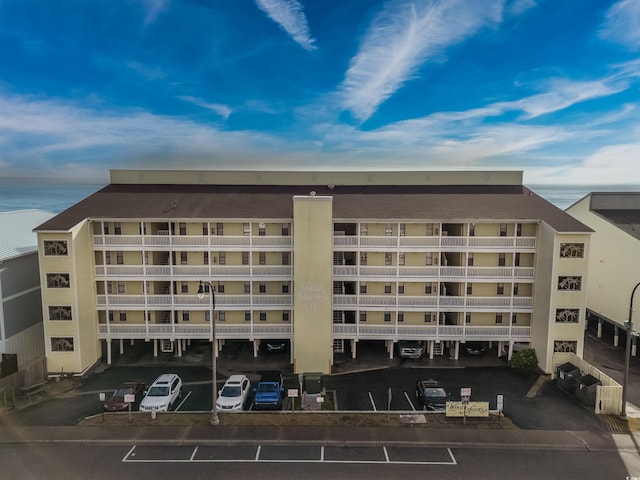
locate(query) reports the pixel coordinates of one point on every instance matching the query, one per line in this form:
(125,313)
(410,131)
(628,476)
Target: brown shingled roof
(412,202)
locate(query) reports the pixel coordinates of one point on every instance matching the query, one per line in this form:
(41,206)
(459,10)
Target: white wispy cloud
(290,16)
(153,9)
(401,38)
(516,7)
(223,110)
(622,24)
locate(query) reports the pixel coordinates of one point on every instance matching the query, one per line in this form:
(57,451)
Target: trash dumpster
(566,376)
(586,387)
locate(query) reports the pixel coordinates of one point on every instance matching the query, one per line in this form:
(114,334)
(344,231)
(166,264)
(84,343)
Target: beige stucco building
(614,262)
(325,259)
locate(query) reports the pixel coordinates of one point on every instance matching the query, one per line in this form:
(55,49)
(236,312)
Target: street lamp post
(629,328)
(201,291)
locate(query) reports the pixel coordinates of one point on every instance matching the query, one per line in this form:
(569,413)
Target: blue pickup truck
(269,391)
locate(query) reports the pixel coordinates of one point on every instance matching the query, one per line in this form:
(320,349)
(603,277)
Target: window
(428,259)
(403,229)
(262,230)
(205,228)
(469,288)
(500,289)
(262,287)
(107,258)
(184,287)
(428,289)
(516,259)
(55,247)
(222,316)
(429,229)
(219,228)
(570,283)
(59,312)
(470,259)
(109,287)
(363,287)
(247,316)
(388,230)
(262,258)
(567,315)
(503,229)
(105,228)
(247,287)
(62,344)
(514,317)
(183,228)
(400,317)
(285,316)
(220,288)
(515,289)
(246,229)
(207,316)
(222,258)
(121,287)
(401,288)
(363,258)
(518,229)
(58,280)
(472,229)
(185,316)
(286,258)
(388,259)
(401,259)
(205,258)
(364,229)
(183,258)
(117,228)
(363,316)
(387,316)
(427,318)
(285,287)
(498,318)
(387,288)
(571,250)
(110,316)
(263,316)
(245,258)
(123,316)
(502,259)
(467,318)
(120,258)
(285,229)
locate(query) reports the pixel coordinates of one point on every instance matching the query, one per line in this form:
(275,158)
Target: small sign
(465,392)
(102,396)
(500,402)
(319,399)
(471,409)
(292,393)
(129,398)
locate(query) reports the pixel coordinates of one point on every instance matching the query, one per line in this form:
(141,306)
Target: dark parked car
(432,395)
(132,387)
(473,349)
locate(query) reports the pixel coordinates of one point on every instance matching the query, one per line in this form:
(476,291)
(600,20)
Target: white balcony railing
(186,301)
(174,331)
(430,332)
(445,303)
(192,241)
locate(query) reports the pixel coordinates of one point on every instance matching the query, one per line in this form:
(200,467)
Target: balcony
(193,302)
(195,242)
(173,331)
(168,272)
(431,332)
(381,273)
(433,302)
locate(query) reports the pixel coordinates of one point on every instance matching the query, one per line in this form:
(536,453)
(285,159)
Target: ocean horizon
(55,197)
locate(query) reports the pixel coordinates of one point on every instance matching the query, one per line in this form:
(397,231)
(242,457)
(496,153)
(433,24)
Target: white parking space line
(409,400)
(373,404)
(183,400)
(130,457)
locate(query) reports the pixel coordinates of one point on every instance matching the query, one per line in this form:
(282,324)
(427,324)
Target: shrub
(524,360)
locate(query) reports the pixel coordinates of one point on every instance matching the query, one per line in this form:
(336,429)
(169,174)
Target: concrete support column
(457,350)
(431,345)
(132,342)
(634,346)
(500,347)
(510,351)
(616,336)
(599,335)
(179,347)
(155,347)
(121,346)
(256,346)
(184,344)
(108,352)
(353,348)
(390,348)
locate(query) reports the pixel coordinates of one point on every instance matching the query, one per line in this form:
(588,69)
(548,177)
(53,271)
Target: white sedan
(233,395)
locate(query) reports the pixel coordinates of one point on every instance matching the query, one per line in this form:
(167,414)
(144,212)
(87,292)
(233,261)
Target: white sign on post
(129,398)
(465,392)
(102,397)
(500,402)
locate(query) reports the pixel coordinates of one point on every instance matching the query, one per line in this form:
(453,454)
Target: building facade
(325,259)
(614,263)
(21,326)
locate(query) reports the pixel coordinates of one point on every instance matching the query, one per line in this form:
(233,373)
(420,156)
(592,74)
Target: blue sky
(545,86)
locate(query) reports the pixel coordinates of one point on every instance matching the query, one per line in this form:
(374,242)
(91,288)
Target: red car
(117,404)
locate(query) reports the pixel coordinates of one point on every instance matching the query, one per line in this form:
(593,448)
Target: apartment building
(614,262)
(325,259)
